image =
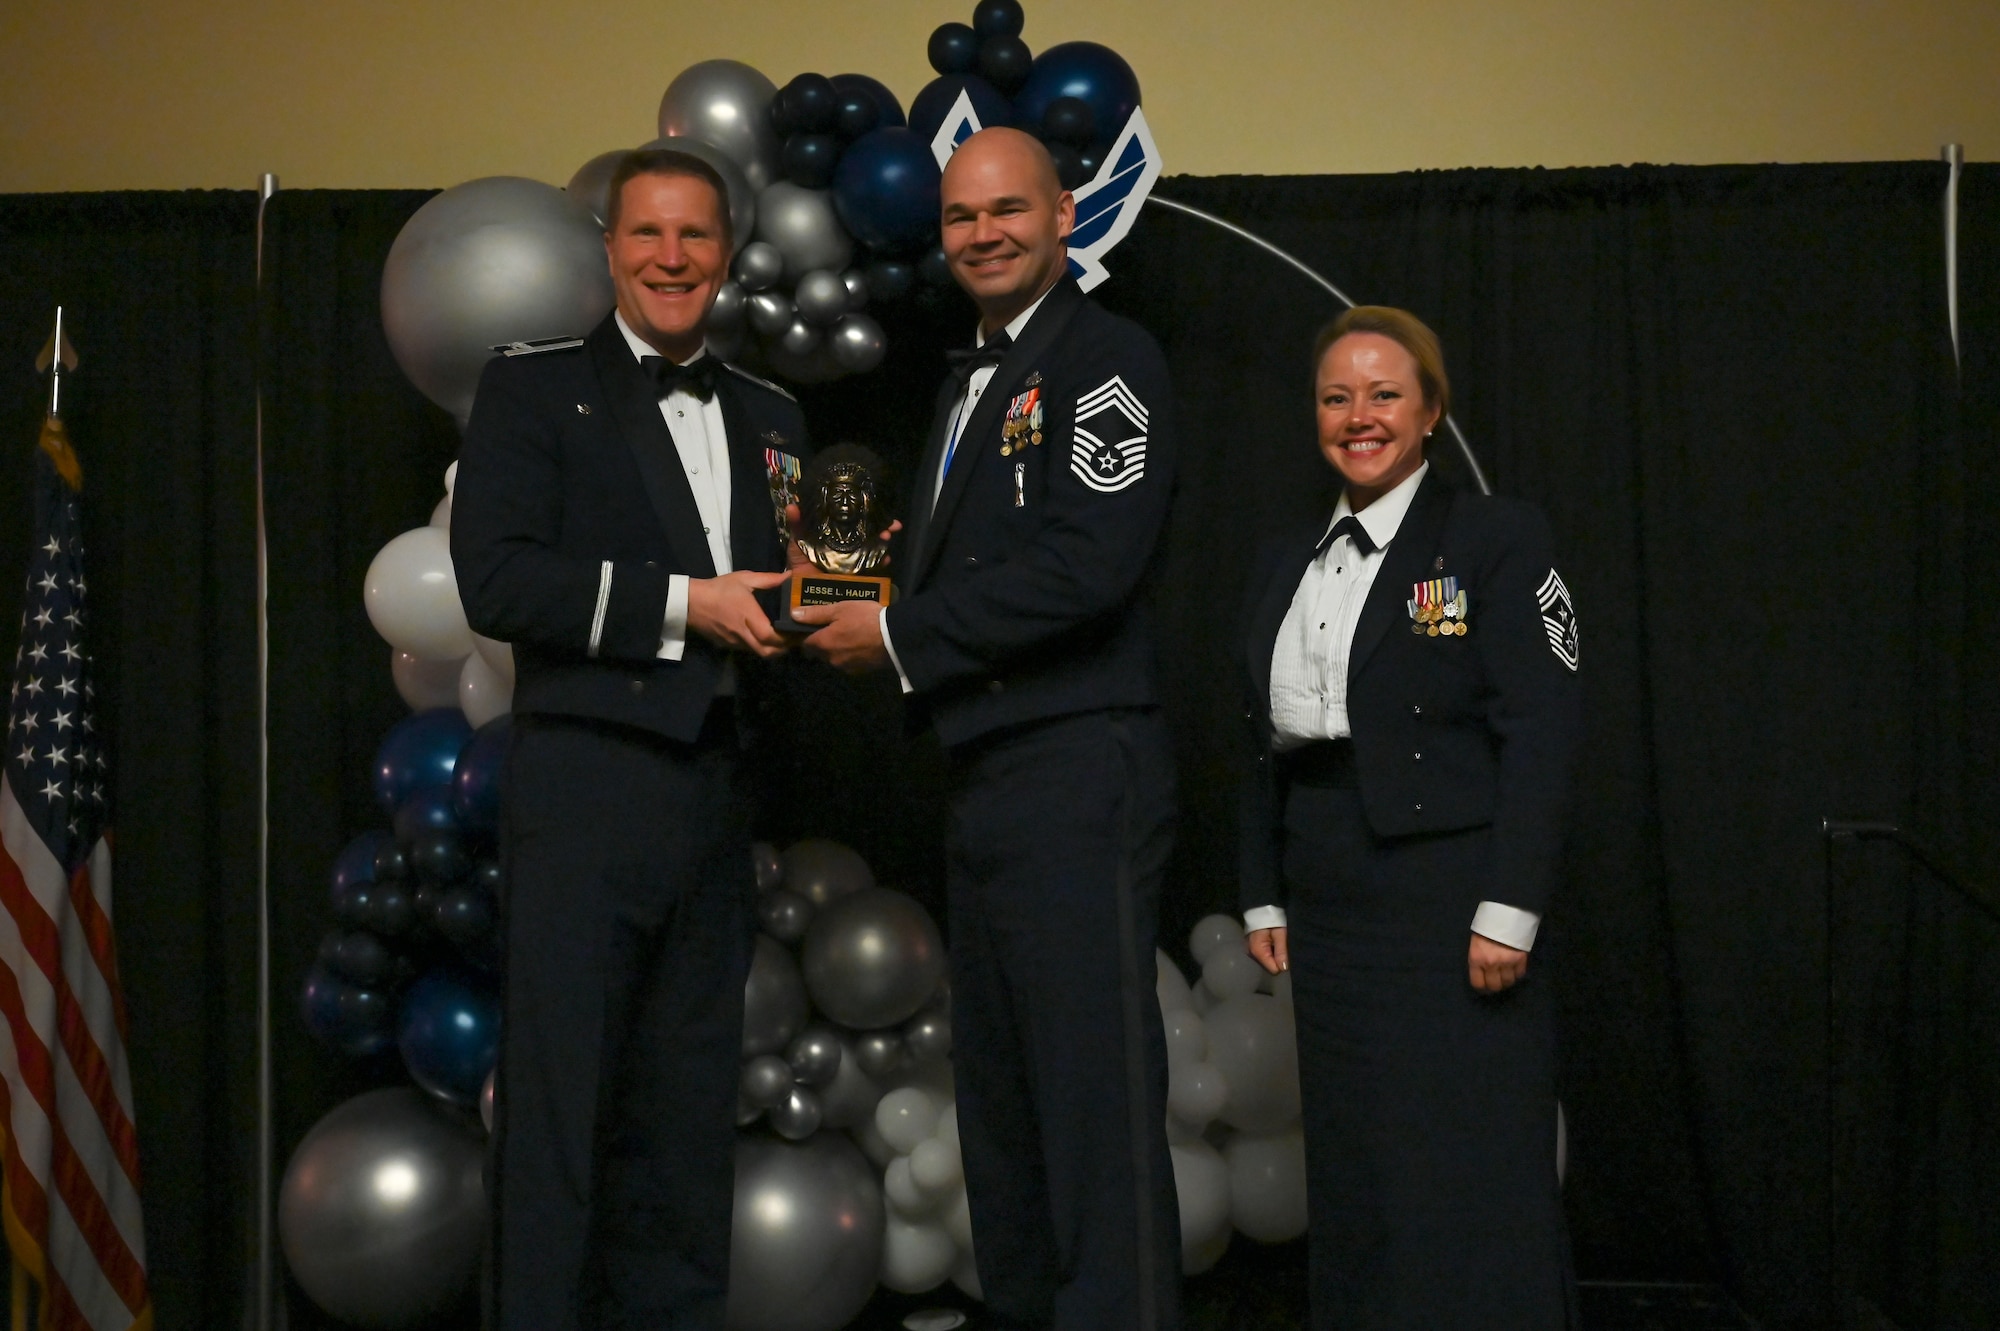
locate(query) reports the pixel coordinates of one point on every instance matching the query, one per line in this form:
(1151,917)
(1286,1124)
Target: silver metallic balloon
(858,343)
(746,1113)
(770,312)
(591,185)
(382,1212)
(742,195)
(774,999)
(802,224)
(784,915)
(759,265)
(726,314)
(764,1080)
(806,1243)
(821,296)
(797,1116)
(872,958)
(800,339)
(850,1098)
(823,871)
(764,859)
(856,282)
(491,261)
(928,1035)
(728,104)
(814,1056)
(880,1053)
(726,345)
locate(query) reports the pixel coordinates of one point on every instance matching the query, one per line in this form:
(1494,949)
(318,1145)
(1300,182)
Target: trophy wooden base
(818,588)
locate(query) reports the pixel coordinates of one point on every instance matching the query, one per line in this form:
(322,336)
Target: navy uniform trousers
(1059,837)
(629,921)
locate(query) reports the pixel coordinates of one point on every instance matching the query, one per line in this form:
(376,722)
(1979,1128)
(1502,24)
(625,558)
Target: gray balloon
(759,265)
(802,224)
(880,1053)
(816,366)
(797,1116)
(872,958)
(741,194)
(807,1238)
(489,262)
(764,1080)
(728,104)
(823,871)
(858,343)
(774,999)
(591,185)
(814,1057)
(821,296)
(726,345)
(764,859)
(726,315)
(800,339)
(928,1035)
(382,1212)
(770,312)
(746,1113)
(856,282)
(784,915)
(850,1098)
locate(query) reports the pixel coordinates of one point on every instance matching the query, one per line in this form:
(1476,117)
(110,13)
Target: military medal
(1438,609)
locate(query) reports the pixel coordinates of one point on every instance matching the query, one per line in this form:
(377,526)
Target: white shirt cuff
(890,647)
(1506,924)
(674,632)
(1263,917)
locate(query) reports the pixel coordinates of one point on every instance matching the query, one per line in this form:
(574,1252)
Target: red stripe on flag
(103,945)
(24,1190)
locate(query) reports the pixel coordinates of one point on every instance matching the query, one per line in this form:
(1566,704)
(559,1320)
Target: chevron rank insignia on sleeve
(1558,619)
(1098,456)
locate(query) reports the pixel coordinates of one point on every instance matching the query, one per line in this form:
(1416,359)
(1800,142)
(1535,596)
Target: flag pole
(266,1291)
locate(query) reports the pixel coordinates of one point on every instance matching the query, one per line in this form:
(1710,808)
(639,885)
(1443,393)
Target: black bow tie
(965,360)
(697,377)
(1348,526)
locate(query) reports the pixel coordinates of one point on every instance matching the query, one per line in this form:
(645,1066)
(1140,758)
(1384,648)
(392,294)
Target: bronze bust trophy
(841,525)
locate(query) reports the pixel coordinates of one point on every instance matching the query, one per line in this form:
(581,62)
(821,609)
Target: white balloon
(498,654)
(482,693)
(1203,1000)
(1267,1184)
(1202,1181)
(441,515)
(1179,1133)
(450,477)
(916,1257)
(1206,1255)
(1187,1037)
(1253,1040)
(1281,988)
(1171,987)
(936,1168)
(899,1185)
(424,684)
(905,1117)
(1211,932)
(1230,972)
(947,1127)
(1196,1092)
(869,1139)
(966,1276)
(958,1220)
(412,597)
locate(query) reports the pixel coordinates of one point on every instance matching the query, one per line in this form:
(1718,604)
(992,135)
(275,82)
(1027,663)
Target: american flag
(71,1155)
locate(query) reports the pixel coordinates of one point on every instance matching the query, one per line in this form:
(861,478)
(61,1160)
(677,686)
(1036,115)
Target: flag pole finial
(57,359)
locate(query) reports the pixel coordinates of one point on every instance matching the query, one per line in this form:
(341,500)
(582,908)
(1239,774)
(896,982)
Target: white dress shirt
(1309,670)
(703,447)
(960,413)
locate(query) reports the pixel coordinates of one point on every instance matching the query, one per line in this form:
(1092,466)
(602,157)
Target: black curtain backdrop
(1732,390)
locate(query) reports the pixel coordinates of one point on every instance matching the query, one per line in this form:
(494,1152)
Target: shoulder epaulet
(535,346)
(742,373)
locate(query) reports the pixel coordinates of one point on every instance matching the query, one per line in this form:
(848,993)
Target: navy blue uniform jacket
(1021,591)
(1450,733)
(567,466)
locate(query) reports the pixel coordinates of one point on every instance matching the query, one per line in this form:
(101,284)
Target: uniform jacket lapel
(752,525)
(917,531)
(1061,303)
(1403,565)
(635,409)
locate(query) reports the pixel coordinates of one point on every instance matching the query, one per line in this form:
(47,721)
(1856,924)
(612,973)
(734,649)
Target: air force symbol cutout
(1558,619)
(1111,454)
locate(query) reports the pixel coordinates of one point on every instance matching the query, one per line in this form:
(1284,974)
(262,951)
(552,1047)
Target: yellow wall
(107,94)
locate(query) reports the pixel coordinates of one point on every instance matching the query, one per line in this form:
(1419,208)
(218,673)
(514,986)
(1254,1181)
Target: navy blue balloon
(889,110)
(1095,75)
(475,786)
(930,106)
(953,48)
(934,270)
(889,279)
(428,810)
(419,753)
(439,857)
(998,18)
(467,918)
(449,1035)
(809,159)
(344,1016)
(359,957)
(391,913)
(857,115)
(1070,120)
(886,190)
(356,861)
(1069,165)
(1005,62)
(811,101)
